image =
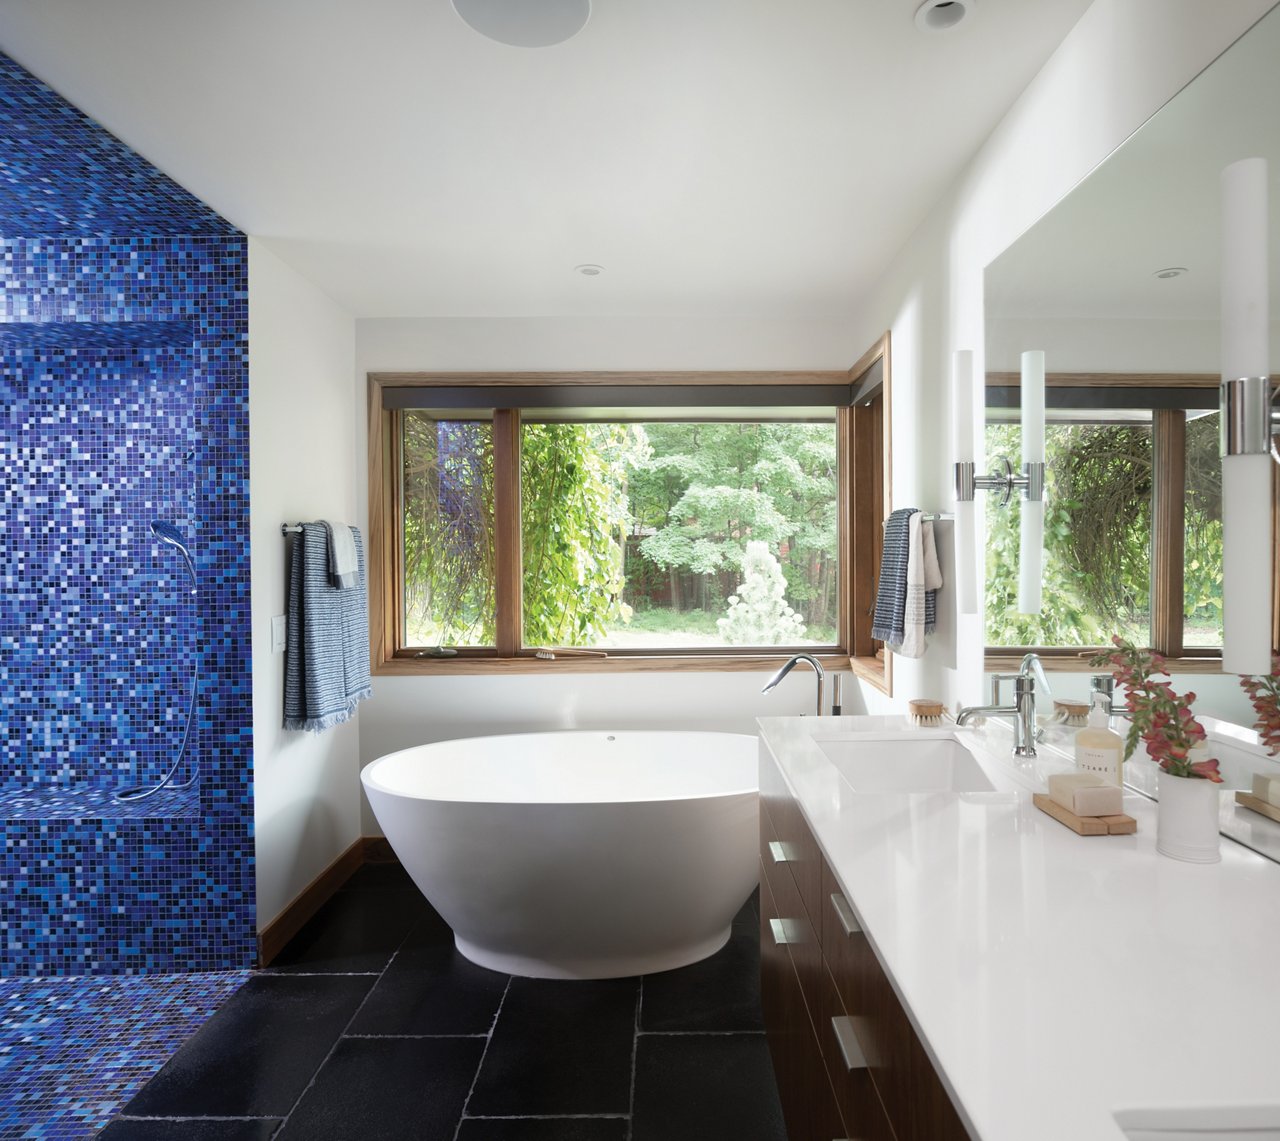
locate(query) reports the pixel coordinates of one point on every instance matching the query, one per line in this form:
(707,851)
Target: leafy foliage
(1098,524)
(573,518)
(693,495)
(448,524)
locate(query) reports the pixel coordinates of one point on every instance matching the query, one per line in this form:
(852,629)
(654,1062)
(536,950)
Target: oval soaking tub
(577,855)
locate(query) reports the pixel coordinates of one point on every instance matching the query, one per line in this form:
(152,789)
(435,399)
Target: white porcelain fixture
(906,763)
(577,855)
(1229,1123)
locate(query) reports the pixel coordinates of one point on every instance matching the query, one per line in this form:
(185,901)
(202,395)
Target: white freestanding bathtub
(577,855)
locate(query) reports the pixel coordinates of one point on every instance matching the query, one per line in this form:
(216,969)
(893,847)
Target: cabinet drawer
(795,848)
(808,1102)
(792,927)
(911,1092)
(859,1103)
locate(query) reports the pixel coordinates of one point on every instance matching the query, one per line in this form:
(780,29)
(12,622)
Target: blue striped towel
(326,661)
(889,623)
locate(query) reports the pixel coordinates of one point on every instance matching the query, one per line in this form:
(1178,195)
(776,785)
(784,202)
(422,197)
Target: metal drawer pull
(780,852)
(850,1048)
(845,914)
(786,931)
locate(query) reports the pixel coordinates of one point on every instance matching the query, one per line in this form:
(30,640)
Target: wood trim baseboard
(273,937)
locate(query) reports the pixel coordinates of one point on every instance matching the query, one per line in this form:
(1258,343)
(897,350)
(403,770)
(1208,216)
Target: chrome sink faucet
(1023,710)
(786,669)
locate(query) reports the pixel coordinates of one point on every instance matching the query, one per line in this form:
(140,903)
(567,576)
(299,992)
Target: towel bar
(291,528)
(926,517)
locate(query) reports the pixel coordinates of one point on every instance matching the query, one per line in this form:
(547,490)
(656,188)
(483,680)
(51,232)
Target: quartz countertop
(1055,979)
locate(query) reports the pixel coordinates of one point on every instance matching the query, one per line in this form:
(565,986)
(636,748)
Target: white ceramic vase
(1187,819)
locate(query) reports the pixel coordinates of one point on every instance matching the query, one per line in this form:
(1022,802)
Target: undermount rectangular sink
(905,763)
(1216,1123)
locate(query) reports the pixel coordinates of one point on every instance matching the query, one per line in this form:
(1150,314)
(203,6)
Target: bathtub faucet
(817,669)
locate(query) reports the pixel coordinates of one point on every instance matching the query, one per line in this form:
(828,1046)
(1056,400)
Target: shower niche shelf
(90,803)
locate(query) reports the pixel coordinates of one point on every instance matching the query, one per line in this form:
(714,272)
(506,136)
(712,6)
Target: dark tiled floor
(370,1025)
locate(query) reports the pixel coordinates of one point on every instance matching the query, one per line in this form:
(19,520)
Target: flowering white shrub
(758,614)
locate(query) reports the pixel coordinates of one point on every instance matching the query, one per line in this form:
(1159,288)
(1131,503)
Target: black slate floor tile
(388,1088)
(355,931)
(380,877)
(715,1087)
(124,1129)
(255,1056)
(543,1129)
(558,1049)
(721,993)
(432,990)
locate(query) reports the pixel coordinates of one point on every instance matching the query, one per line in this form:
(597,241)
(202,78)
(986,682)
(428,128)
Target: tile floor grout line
(635,1043)
(462,1116)
(284,1121)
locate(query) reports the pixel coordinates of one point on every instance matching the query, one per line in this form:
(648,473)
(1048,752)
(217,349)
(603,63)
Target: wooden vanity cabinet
(848,1061)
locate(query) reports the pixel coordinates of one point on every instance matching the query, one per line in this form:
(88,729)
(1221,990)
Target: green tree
(574,518)
(705,490)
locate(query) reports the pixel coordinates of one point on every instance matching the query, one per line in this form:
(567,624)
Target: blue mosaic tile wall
(123,379)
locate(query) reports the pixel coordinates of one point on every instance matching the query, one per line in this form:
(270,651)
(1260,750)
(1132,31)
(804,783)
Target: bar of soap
(1267,788)
(1086,794)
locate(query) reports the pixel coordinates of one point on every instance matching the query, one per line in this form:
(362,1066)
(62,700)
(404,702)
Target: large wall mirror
(1119,285)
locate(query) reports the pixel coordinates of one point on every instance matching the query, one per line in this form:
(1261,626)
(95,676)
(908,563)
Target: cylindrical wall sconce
(962,449)
(1031,535)
(1030,482)
(1246,421)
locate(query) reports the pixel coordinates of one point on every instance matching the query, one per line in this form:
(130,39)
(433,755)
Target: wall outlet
(279,631)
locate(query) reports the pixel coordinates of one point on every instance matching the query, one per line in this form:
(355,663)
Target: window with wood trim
(1133,530)
(624,522)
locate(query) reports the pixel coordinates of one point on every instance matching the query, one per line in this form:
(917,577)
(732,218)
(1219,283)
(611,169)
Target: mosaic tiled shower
(124,394)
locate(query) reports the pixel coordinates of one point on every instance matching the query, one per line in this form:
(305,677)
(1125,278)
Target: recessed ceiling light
(589,270)
(525,23)
(943,15)
(1171,271)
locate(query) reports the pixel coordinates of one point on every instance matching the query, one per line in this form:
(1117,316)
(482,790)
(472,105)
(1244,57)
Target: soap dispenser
(1099,749)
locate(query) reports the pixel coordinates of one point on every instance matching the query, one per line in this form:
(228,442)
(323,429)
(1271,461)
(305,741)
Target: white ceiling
(751,157)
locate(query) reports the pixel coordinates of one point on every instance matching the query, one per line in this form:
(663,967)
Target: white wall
(1119,65)
(303,459)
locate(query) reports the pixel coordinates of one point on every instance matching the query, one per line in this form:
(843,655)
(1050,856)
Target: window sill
(630,663)
(1077,661)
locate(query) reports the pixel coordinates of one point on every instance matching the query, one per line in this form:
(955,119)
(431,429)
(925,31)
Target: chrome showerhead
(168,533)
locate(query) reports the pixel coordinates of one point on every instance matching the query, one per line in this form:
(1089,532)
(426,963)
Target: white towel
(343,568)
(923,577)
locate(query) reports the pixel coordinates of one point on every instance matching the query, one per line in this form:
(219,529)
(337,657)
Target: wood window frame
(862,445)
(1168,532)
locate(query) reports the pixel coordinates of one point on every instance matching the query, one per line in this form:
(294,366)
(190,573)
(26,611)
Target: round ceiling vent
(525,23)
(943,15)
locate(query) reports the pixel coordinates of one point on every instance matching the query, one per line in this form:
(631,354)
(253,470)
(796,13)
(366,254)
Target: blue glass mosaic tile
(61,172)
(123,400)
(74,1050)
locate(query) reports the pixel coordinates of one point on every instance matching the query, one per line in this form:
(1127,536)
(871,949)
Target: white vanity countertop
(1054,978)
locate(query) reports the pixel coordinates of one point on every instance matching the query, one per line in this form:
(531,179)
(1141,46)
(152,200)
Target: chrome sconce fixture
(1030,480)
(1246,421)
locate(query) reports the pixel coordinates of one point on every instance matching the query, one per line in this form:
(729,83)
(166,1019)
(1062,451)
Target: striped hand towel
(326,664)
(887,625)
(923,580)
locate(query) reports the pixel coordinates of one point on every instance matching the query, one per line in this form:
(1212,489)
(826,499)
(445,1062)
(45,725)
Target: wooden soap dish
(1260,806)
(1118,825)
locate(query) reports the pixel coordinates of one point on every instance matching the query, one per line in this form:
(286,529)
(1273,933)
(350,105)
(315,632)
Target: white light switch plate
(279,630)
